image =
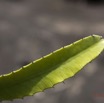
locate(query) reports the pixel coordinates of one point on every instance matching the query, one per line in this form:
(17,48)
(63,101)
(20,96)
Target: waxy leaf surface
(51,69)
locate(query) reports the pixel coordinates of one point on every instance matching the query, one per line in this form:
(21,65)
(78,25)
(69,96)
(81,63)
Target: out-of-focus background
(30,29)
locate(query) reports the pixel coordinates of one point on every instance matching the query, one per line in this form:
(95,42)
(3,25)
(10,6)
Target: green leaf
(51,69)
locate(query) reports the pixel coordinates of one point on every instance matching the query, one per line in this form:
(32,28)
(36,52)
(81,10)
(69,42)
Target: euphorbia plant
(51,69)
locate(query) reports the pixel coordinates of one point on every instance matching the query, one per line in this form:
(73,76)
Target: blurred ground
(30,29)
